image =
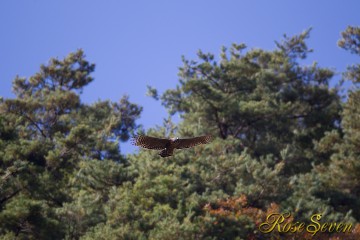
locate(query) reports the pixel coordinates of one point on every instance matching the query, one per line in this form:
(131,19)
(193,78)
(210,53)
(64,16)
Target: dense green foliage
(284,141)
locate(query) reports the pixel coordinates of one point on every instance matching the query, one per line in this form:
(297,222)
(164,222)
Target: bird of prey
(167,146)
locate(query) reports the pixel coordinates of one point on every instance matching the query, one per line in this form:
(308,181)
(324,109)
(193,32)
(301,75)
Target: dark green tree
(341,175)
(48,137)
(265,110)
(266,99)
(283,141)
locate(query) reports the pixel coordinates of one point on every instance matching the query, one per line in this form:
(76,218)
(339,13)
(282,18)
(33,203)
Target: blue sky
(139,43)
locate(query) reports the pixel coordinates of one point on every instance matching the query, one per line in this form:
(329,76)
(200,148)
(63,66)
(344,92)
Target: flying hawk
(167,146)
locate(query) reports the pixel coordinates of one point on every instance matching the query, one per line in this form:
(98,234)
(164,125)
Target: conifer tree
(283,142)
(266,99)
(48,136)
(341,175)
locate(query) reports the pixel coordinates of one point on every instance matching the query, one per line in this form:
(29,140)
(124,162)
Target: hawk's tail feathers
(165,153)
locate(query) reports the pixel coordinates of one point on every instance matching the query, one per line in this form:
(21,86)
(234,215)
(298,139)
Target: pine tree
(264,98)
(48,136)
(279,146)
(341,176)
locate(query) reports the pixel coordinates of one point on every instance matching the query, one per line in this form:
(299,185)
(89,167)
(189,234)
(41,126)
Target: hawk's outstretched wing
(191,142)
(150,142)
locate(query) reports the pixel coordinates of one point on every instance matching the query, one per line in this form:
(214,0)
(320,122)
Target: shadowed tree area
(284,142)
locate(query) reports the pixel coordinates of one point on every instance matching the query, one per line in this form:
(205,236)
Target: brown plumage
(168,145)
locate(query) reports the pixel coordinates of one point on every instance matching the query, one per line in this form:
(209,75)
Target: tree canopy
(285,141)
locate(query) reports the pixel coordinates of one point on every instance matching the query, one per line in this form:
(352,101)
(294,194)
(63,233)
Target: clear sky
(139,43)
